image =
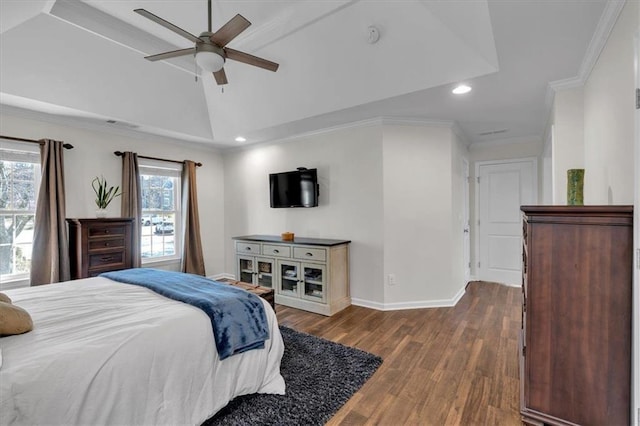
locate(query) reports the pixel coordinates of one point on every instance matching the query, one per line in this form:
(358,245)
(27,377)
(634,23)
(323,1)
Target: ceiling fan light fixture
(209,61)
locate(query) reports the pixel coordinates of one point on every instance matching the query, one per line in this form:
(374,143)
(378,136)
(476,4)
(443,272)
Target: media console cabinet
(311,274)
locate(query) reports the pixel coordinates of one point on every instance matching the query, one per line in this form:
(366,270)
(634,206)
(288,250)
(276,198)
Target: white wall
(459,151)
(349,164)
(92,156)
(567,140)
(419,246)
(387,188)
(609,105)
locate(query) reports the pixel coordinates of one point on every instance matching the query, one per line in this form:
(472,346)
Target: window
(19,181)
(161,225)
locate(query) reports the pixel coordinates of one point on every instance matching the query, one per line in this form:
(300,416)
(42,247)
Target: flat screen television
(298,188)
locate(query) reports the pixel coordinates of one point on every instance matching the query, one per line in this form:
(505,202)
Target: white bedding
(104,352)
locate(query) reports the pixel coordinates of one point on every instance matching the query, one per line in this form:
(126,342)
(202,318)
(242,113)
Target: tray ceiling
(85,60)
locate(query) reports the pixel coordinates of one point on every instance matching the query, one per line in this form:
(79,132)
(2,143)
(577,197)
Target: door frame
(466,220)
(478,164)
(635,367)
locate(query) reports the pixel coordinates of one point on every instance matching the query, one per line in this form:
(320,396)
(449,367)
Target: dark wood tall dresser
(99,245)
(575,349)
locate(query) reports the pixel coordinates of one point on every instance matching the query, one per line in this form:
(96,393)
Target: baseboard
(223,275)
(421,304)
(367,304)
(398,306)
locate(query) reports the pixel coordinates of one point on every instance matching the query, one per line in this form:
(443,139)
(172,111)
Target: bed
(104,352)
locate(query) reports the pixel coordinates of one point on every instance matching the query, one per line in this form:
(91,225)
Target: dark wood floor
(442,366)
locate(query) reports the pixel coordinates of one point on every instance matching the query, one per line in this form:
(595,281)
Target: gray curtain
(132,200)
(192,258)
(50,257)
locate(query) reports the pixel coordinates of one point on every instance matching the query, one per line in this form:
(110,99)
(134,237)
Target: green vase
(575,187)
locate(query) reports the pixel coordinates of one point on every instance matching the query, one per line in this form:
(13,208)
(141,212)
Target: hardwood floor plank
(442,366)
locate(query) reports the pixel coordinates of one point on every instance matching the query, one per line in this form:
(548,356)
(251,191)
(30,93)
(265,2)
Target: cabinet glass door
(245,269)
(265,272)
(314,282)
(289,273)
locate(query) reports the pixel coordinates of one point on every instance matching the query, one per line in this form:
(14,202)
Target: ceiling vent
(492,132)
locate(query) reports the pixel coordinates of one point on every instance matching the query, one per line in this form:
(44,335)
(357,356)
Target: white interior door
(503,187)
(466,238)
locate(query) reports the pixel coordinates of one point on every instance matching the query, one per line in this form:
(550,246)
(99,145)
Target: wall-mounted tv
(298,188)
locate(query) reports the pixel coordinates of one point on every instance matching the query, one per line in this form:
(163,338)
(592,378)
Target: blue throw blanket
(237,316)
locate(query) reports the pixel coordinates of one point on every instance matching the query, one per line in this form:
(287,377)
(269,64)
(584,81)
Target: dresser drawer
(249,248)
(276,250)
(307,253)
(104,230)
(115,259)
(106,243)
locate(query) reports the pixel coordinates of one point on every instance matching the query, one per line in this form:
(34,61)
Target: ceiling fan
(210,48)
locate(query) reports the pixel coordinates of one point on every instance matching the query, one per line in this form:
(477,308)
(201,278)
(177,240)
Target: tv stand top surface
(297,240)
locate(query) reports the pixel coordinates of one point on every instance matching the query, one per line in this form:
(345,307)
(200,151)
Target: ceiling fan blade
(246,58)
(230,30)
(221,77)
(167,24)
(172,54)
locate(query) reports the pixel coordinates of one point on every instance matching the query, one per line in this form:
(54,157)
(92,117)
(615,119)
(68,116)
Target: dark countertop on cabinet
(297,240)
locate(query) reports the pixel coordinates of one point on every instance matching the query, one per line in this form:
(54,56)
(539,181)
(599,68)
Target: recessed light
(461,89)
(241,139)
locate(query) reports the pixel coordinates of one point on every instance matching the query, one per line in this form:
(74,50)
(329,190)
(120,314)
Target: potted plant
(104,194)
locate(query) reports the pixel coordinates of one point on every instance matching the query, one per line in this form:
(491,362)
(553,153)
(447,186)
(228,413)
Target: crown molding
(369,122)
(608,19)
(607,22)
(99,126)
(507,141)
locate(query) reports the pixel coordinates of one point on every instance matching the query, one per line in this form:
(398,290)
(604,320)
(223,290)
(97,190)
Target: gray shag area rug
(320,376)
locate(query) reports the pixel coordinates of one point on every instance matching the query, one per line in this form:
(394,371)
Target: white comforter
(103,352)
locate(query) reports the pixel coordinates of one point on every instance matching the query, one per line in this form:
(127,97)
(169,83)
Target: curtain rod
(120,154)
(11,138)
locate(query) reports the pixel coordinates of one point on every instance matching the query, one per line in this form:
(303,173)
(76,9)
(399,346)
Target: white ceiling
(84,60)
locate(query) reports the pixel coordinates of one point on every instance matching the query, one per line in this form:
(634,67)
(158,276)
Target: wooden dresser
(575,349)
(99,245)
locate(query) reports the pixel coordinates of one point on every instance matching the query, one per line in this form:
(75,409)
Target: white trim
(466,217)
(369,122)
(422,304)
(478,164)
(100,125)
(221,276)
(416,121)
(367,304)
(635,348)
(506,141)
(607,21)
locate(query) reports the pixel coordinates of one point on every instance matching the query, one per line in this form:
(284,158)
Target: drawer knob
(107,244)
(248,249)
(106,258)
(309,254)
(276,251)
